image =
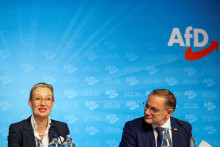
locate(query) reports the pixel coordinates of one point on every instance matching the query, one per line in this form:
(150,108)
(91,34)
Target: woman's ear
(29,102)
(52,103)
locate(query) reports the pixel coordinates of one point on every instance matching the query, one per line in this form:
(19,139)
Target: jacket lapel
(52,132)
(28,132)
(175,133)
(148,131)
(152,138)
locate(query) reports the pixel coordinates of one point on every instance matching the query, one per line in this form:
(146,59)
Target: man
(144,131)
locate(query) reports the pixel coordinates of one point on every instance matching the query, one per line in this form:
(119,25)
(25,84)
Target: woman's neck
(41,124)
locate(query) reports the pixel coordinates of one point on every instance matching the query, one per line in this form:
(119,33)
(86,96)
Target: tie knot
(159,130)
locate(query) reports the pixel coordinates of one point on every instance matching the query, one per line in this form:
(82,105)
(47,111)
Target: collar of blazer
(52,131)
(28,132)
(176,132)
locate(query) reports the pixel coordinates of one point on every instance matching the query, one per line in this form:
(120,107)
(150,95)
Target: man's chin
(148,121)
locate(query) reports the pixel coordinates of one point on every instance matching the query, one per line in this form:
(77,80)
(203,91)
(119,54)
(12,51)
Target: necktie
(160,135)
(39,143)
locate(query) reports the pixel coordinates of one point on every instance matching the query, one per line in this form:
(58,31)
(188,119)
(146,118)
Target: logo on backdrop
(92,130)
(191,55)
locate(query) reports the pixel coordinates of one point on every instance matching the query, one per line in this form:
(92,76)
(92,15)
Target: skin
(41,111)
(161,117)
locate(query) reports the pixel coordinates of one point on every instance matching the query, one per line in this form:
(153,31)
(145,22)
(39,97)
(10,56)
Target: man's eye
(154,110)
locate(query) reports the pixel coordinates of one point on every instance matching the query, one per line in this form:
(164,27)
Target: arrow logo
(191,56)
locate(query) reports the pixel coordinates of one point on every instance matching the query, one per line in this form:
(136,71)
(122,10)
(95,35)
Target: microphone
(58,133)
(192,139)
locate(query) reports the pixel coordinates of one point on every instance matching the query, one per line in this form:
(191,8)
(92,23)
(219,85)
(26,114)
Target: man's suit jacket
(137,133)
(21,134)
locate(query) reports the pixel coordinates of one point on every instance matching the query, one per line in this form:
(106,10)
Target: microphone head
(52,125)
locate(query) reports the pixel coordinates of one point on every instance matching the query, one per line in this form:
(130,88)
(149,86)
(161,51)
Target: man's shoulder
(138,125)
(138,122)
(180,122)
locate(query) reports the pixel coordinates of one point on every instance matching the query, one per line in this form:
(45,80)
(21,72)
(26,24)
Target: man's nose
(147,111)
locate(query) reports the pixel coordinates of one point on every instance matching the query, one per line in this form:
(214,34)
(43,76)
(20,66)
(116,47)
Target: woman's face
(40,103)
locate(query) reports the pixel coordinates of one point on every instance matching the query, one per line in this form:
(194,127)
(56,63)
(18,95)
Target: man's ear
(170,112)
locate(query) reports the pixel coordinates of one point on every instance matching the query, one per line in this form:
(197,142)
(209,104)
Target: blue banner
(104,57)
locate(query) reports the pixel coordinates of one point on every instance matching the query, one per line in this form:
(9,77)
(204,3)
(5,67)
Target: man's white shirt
(166,125)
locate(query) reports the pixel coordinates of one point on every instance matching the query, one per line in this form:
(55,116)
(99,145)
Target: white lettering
(173,39)
(196,38)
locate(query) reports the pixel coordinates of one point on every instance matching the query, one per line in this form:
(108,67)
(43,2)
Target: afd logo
(112,143)
(70,118)
(49,54)
(191,55)
(70,68)
(91,55)
(91,105)
(5,105)
(132,104)
(111,68)
(5,54)
(191,118)
(131,56)
(209,82)
(112,118)
(190,70)
(171,81)
(70,93)
(151,69)
(92,130)
(191,94)
(209,105)
(131,80)
(111,93)
(91,80)
(26,67)
(210,129)
(5,79)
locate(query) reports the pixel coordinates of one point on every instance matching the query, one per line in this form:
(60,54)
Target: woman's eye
(37,98)
(48,99)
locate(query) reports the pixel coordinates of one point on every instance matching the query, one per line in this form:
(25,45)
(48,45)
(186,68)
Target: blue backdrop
(104,57)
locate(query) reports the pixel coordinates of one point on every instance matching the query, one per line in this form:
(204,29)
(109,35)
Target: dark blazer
(21,134)
(137,133)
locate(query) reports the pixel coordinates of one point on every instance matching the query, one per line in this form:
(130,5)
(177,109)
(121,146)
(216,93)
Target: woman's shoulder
(22,122)
(20,125)
(58,123)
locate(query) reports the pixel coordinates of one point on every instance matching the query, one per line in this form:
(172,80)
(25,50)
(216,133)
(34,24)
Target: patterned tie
(160,135)
(39,143)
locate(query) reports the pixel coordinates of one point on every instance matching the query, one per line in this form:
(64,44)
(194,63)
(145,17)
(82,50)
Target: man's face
(155,112)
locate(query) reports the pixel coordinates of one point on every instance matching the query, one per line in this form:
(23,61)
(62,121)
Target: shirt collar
(166,125)
(34,124)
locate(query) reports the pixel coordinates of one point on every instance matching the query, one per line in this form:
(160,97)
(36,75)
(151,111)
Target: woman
(38,129)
